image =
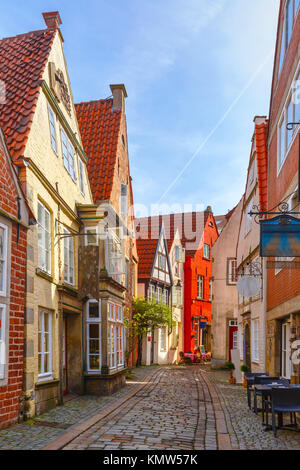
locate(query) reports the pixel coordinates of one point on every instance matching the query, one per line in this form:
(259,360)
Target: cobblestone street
(163,408)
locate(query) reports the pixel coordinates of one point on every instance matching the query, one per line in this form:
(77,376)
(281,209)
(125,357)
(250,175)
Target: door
(286,365)
(232,339)
(247,346)
(64,357)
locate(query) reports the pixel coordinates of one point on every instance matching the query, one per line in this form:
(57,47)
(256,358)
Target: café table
(266,392)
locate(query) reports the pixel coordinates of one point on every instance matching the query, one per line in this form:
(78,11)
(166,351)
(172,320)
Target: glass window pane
(94,331)
(94,346)
(290,118)
(94,362)
(94,310)
(289,20)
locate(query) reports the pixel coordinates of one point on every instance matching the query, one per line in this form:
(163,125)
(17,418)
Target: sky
(196,73)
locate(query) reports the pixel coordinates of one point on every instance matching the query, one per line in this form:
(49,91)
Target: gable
(22,62)
(161,265)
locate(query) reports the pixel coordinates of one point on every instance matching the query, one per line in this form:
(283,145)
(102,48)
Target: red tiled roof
(22,62)
(99,126)
(190,227)
(262,163)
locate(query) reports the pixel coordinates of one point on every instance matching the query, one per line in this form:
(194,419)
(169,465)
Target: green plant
(245,368)
(229,366)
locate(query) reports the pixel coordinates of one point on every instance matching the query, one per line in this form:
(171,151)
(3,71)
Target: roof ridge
(29,32)
(100,100)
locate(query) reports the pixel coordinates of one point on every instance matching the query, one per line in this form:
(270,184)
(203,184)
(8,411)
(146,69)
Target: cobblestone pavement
(177,410)
(36,433)
(244,427)
(180,408)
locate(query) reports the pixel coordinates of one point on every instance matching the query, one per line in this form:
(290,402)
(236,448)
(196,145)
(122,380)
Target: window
(2,341)
(91,236)
(177,253)
(251,173)
(240,337)
(163,339)
(296,98)
(196,339)
(45,345)
(115,259)
(44,238)
(231,271)
(151,292)
(52,129)
(115,336)
(255,340)
(69,258)
(281,142)
(162,262)
(158,294)
(124,200)
(93,331)
(165,297)
(200,282)
(287,28)
(81,175)
(3,259)
(249,218)
(206,251)
(68,154)
(210,290)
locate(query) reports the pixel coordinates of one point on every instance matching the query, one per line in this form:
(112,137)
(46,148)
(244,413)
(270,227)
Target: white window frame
(165,296)
(255,340)
(163,336)
(285,37)
(2,340)
(52,126)
(93,321)
(151,292)
(248,217)
(284,119)
(81,176)
(3,290)
(69,260)
(232,271)
(124,200)
(68,154)
(47,269)
(114,254)
(200,282)
(42,374)
(86,235)
(115,336)
(206,251)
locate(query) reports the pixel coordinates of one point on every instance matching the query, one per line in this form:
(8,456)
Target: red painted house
(198,232)
(14,221)
(198,280)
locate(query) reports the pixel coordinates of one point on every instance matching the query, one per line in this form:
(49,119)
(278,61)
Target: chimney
(259,120)
(119,94)
(52,19)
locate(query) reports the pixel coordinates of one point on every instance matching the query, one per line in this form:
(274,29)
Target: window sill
(44,274)
(46,382)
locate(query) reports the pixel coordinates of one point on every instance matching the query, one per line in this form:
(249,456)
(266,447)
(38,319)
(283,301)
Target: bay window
(93,331)
(45,345)
(68,258)
(115,336)
(2,340)
(115,259)
(3,259)
(44,238)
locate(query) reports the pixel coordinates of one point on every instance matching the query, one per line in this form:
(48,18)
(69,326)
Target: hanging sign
(280,237)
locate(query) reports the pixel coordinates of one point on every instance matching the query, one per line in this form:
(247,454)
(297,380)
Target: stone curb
(223,437)
(64,439)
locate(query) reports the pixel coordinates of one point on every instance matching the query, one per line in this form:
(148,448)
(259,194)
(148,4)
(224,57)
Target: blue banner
(280,237)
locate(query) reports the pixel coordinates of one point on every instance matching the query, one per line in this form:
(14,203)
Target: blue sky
(190,67)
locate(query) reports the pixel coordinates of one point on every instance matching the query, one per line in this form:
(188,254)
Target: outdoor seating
(249,376)
(272,381)
(284,400)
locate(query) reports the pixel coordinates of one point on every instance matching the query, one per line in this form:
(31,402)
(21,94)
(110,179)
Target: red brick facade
(14,300)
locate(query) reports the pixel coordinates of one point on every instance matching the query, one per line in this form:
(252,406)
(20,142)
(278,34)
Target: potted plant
(230,366)
(244,370)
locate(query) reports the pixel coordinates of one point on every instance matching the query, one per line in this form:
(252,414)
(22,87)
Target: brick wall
(15,300)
